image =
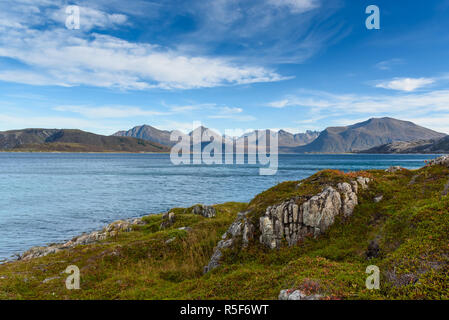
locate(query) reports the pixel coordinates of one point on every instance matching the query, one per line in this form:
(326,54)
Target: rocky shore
(299,240)
(109,231)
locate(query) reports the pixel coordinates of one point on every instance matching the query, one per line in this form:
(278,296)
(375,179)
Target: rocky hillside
(309,239)
(286,139)
(365,135)
(64,140)
(422,146)
(146,132)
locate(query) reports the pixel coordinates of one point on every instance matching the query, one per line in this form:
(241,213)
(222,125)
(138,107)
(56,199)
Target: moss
(410,224)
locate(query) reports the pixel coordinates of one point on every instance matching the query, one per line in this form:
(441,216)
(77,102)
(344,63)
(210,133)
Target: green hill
(400,224)
(435,146)
(68,140)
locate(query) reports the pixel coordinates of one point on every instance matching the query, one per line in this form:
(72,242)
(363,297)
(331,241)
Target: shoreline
(85,238)
(93,232)
(166,256)
(281,153)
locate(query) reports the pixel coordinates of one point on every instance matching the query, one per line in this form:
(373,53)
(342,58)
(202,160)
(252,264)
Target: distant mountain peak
(367,134)
(147,132)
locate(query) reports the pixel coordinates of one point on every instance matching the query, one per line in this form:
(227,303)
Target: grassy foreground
(410,225)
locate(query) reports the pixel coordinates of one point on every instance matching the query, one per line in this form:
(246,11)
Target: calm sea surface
(47,198)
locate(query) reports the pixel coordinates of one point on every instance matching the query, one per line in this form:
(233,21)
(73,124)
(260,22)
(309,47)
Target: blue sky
(230,64)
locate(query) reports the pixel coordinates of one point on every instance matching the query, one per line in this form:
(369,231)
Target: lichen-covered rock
(87,238)
(443,161)
(168,219)
(378,199)
(242,229)
(394,169)
(320,211)
(363,182)
(293,221)
(289,294)
(349,197)
(205,211)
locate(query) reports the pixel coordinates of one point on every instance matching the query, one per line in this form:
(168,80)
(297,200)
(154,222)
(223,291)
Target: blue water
(47,198)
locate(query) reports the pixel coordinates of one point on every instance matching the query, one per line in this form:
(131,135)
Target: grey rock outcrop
(205,211)
(109,231)
(242,229)
(293,222)
(378,199)
(363,182)
(443,161)
(168,219)
(297,295)
(393,169)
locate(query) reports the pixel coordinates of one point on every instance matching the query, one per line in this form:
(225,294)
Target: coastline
(61,243)
(280,153)
(205,254)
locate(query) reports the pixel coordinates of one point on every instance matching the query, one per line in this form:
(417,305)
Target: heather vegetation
(405,232)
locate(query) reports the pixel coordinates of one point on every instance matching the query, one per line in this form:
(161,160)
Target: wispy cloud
(389,64)
(109,112)
(53,55)
(274,31)
(420,107)
(296,6)
(232,113)
(91,18)
(406,84)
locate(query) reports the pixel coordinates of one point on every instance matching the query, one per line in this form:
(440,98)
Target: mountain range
(354,138)
(376,135)
(146,132)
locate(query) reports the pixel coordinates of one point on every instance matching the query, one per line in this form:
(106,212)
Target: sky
(229,64)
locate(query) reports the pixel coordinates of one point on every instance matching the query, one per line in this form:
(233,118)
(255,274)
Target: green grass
(411,225)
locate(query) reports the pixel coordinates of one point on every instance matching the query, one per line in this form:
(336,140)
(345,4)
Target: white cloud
(30,77)
(105,61)
(296,6)
(427,108)
(108,112)
(91,18)
(53,55)
(433,101)
(232,113)
(388,64)
(279,104)
(406,84)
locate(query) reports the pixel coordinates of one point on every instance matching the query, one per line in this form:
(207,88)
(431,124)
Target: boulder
(168,219)
(292,221)
(394,169)
(363,182)
(442,161)
(290,294)
(378,199)
(242,229)
(205,211)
